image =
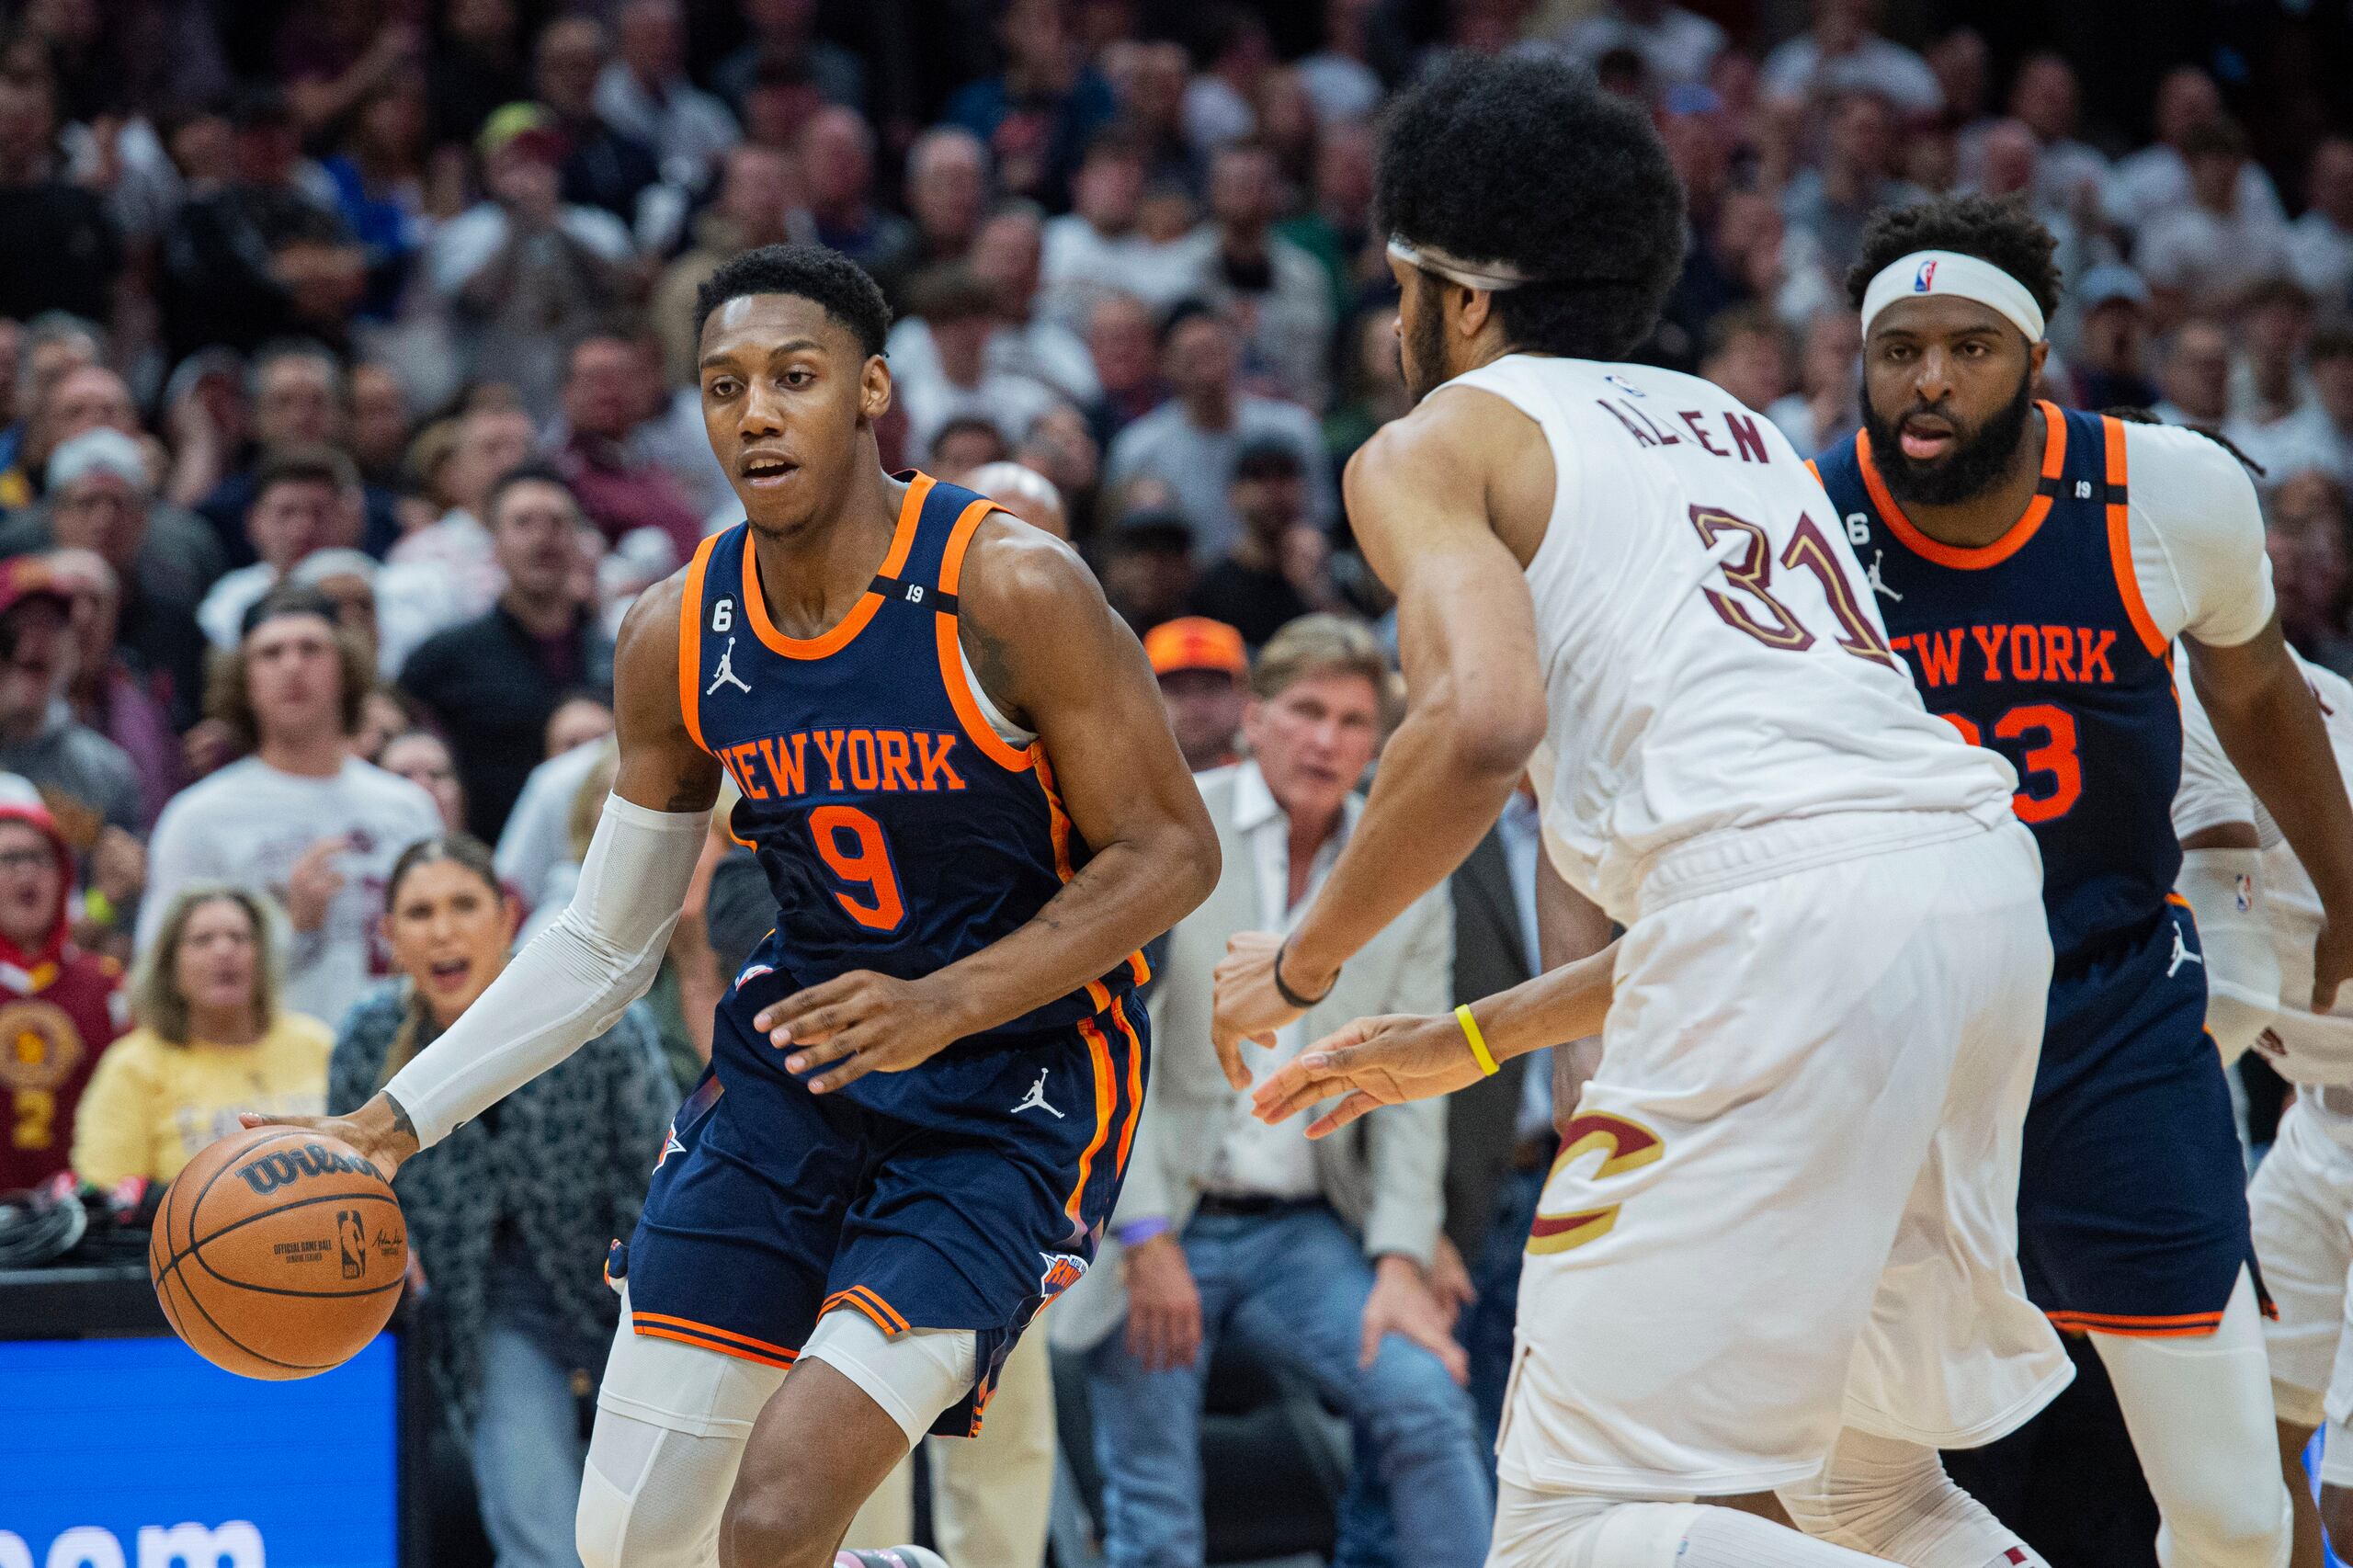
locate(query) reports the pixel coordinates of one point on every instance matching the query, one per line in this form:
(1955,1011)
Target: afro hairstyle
(2000,231)
(814,272)
(1520,160)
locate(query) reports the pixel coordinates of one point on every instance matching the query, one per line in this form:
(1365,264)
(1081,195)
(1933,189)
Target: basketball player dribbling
(1786,1199)
(954,765)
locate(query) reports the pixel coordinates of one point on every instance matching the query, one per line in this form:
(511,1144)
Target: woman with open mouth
(517,1317)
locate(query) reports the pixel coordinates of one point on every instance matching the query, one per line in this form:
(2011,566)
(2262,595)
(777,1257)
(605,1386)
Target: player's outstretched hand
(375,1130)
(864,1021)
(1374,1062)
(2332,963)
(1247,1005)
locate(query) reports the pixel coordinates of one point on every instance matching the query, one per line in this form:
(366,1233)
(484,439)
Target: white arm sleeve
(573,979)
(2197,531)
(2242,967)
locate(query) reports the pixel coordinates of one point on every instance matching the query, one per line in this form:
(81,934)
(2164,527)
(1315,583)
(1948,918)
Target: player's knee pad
(1891,1499)
(2249,1526)
(651,1497)
(1550,1530)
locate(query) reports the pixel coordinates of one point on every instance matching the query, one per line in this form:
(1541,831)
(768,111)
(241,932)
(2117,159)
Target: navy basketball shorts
(2132,1216)
(965,1193)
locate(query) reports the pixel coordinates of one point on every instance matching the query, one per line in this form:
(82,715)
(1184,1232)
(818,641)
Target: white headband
(1960,276)
(1494,278)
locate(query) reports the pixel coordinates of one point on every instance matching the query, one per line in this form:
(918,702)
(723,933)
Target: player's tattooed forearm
(688,797)
(401,1121)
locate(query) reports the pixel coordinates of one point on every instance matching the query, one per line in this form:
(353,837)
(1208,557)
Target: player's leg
(1891,1497)
(672,1420)
(1952,1279)
(854,1404)
(2201,1414)
(1693,1322)
(1573,1530)
(2298,1205)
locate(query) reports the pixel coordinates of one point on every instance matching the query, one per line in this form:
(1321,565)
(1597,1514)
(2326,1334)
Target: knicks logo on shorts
(1062,1270)
(1624,1145)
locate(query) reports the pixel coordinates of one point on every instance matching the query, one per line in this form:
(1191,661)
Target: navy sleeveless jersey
(898,830)
(2038,647)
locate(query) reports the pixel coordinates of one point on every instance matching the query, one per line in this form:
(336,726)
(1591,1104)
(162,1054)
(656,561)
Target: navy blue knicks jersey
(899,831)
(2038,647)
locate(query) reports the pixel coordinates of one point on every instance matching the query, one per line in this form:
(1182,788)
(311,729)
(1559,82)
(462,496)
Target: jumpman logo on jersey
(727,676)
(1036,1098)
(2181,954)
(1878,583)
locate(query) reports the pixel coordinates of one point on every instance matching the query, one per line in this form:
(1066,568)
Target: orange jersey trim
(1135,1084)
(2120,544)
(1099,1052)
(840,635)
(2186,1326)
(1058,825)
(961,696)
(1974,558)
(865,1302)
(661,1326)
(690,643)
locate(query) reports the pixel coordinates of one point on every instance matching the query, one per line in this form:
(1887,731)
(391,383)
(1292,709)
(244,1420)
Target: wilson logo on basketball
(272,1170)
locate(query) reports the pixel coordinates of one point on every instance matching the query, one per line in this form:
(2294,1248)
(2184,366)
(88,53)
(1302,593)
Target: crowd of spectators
(347,399)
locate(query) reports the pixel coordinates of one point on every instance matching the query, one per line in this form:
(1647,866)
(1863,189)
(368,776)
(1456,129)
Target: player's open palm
(1373,1062)
(859,1023)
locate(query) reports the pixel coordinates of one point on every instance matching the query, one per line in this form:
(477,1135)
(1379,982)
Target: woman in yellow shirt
(210,1042)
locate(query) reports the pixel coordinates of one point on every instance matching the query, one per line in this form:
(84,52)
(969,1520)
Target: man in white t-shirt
(300,816)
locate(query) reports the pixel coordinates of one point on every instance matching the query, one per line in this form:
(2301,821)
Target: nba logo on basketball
(1924,278)
(351,1232)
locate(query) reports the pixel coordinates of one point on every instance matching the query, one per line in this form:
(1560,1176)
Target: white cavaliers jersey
(1712,657)
(2301,1048)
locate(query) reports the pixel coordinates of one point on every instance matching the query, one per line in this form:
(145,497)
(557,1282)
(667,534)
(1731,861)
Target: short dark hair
(1518,160)
(532,470)
(1999,231)
(304,465)
(814,272)
(1187,309)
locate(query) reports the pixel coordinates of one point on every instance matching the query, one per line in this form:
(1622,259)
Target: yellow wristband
(1479,1052)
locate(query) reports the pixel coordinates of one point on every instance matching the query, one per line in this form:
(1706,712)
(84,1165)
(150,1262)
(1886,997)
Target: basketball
(278,1252)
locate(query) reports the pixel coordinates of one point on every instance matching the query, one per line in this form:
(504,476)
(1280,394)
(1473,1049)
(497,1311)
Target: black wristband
(1283,989)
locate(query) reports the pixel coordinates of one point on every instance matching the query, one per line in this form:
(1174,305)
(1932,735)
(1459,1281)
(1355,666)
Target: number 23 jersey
(1711,656)
(898,828)
(2051,643)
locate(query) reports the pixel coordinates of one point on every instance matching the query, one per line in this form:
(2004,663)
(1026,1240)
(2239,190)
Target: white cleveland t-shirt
(248,824)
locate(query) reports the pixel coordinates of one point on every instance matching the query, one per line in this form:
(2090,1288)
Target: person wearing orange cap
(1204,680)
(58,1006)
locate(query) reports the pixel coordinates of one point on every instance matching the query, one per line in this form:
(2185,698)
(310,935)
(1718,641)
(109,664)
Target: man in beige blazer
(1317,1253)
